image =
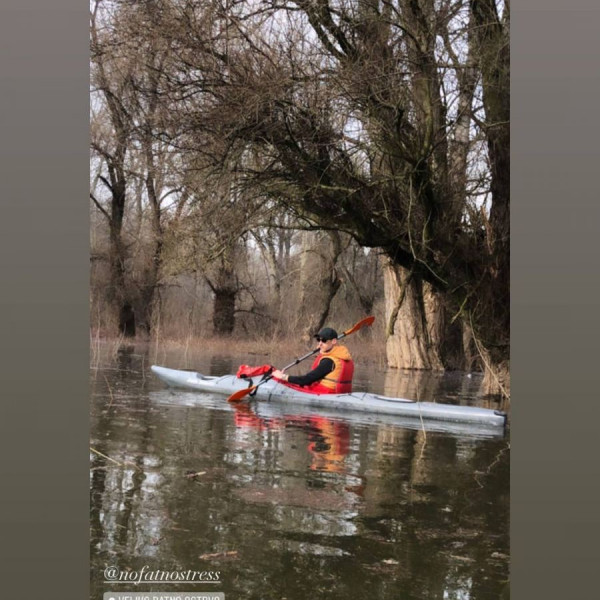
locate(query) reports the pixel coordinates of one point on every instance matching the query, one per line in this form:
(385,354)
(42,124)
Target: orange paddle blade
(364,323)
(237,396)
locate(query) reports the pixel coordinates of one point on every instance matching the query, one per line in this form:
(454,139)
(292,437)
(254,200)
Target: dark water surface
(291,507)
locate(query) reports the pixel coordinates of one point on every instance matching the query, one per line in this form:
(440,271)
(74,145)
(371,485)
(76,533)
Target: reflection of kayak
(274,415)
(272,411)
(328,439)
(356,401)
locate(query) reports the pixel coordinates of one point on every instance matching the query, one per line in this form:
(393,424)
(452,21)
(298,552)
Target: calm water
(292,506)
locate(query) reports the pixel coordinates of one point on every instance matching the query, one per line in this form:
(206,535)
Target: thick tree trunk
(318,278)
(147,303)
(150,278)
(222,279)
(224,311)
(118,293)
(127,325)
(420,334)
(412,312)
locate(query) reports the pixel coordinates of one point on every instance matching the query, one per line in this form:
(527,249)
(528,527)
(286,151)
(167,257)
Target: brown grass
(276,351)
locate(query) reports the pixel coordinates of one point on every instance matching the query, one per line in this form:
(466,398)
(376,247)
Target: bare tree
(383,121)
(355,132)
(111,141)
(136,165)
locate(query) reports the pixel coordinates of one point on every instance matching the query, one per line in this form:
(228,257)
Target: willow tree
(389,121)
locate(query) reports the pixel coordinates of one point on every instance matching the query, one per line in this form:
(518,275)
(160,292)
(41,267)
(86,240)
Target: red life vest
(339,381)
(246,371)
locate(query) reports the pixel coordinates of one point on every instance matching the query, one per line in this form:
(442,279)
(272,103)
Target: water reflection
(327,438)
(291,505)
(220,364)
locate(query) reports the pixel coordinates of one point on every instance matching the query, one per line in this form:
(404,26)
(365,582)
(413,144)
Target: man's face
(326,345)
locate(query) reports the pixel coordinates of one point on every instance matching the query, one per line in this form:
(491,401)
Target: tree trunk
(319,279)
(118,294)
(274,247)
(420,334)
(493,43)
(411,312)
(151,272)
(116,183)
(224,311)
(127,320)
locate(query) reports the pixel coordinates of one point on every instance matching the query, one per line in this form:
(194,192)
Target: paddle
(237,396)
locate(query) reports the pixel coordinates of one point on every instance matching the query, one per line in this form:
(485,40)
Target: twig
(109,391)
(485,362)
(115,461)
(422,424)
(493,463)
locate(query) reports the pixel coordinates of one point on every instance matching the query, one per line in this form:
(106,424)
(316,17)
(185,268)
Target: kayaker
(331,372)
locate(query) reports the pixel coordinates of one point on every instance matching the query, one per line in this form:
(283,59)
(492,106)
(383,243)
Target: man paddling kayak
(331,372)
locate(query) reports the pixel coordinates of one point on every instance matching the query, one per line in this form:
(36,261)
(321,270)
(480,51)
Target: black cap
(327,334)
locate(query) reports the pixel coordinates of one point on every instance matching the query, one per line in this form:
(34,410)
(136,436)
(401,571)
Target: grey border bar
(555,296)
(43,253)
(44,259)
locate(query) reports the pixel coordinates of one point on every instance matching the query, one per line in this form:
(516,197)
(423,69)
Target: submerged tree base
(496,380)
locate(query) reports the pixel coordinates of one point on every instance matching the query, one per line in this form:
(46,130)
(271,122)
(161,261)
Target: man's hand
(279,375)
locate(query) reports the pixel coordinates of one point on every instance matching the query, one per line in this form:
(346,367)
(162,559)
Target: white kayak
(364,402)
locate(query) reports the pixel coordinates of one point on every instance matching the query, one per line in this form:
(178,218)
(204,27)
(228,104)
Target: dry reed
(271,349)
(259,350)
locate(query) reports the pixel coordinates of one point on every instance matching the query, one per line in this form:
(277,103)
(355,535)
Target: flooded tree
(367,123)
(384,121)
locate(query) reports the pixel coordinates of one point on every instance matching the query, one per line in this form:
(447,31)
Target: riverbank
(259,350)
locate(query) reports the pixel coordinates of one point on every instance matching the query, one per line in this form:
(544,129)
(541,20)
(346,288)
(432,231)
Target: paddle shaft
(311,353)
